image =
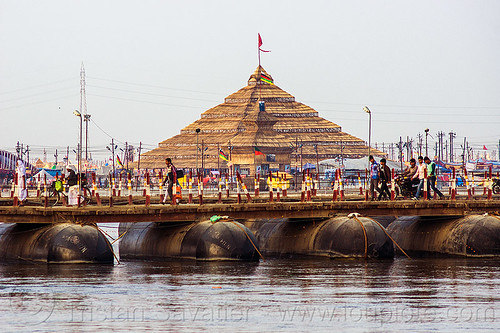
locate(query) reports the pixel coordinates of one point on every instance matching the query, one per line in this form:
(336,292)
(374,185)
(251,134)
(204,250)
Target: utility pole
(28,154)
(426,145)
(464,150)
(138,166)
(420,138)
(113,153)
(407,145)
(400,147)
(83,110)
(126,154)
(202,158)
(55,155)
(446,150)
(452,136)
(440,136)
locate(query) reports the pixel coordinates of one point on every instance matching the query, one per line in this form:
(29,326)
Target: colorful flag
(266,78)
(260,44)
(223,155)
(119,161)
(258,152)
(484,148)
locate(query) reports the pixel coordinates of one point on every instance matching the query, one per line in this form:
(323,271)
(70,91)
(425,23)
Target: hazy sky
(154,66)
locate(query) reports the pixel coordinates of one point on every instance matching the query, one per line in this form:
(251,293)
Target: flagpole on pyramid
(259,44)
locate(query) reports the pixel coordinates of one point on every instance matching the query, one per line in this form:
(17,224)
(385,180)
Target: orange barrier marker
(120,186)
(485,183)
(335,186)
(393,186)
(45,194)
(15,203)
(426,194)
(467,185)
(190,187)
(270,185)
(148,189)
(94,185)
(278,188)
(453,186)
(13,188)
(129,188)
(366,184)
(360,184)
(160,185)
(341,186)
(490,184)
(303,189)
(256,186)
(200,189)
(38,187)
(308,186)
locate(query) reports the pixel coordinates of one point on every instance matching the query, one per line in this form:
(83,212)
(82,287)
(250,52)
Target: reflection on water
(350,295)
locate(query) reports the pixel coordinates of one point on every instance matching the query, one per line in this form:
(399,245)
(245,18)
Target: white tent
(359,164)
(43,173)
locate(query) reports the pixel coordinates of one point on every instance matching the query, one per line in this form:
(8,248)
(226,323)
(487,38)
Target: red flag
(258,152)
(484,148)
(260,44)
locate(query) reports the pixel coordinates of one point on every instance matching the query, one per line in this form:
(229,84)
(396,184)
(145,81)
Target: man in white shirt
(422,168)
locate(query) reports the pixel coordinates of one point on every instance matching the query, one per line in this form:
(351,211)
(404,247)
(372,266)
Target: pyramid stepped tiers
(470,236)
(258,116)
(220,239)
(54,243)
(339,237)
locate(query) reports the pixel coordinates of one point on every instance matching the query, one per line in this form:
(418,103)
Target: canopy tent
(49,173)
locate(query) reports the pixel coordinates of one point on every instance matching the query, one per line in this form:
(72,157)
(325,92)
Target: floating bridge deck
(319,208)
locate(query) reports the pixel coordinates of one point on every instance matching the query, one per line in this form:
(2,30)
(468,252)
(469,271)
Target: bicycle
(56,190)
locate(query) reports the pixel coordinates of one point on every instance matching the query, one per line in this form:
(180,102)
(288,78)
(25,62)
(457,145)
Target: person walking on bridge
(431,167)
(171,179)
(420,174)
(385,176)
(374,177)
(21,181)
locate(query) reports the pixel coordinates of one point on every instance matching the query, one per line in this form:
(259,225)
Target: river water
(275,295)
(301,294)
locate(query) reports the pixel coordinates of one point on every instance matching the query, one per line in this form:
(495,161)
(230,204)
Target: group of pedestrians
(426,167)
(380,173)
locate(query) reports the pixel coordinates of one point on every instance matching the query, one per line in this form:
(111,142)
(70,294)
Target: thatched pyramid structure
(287,132)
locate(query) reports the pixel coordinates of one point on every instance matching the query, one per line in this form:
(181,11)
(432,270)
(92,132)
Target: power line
(153,94)
(154,86)
(36,86)
(142,101)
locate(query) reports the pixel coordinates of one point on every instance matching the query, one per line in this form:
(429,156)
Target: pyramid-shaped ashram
(288,133)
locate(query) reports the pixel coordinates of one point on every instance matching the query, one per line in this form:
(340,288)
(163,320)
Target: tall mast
(83,110)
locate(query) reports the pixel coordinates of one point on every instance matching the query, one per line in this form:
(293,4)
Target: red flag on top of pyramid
(260,44)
